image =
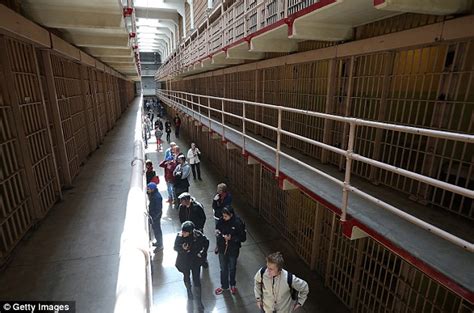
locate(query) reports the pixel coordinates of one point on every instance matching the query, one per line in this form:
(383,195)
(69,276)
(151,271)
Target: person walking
(194,157)
(222,199)
(191,210)
(275,289)
(168,131)
(230,233)
(192,246)
(181,174)
(155,210)
(177,125)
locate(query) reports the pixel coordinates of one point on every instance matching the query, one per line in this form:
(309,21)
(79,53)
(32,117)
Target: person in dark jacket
(155,210)
(191,210)
(191,245)
(168,131)
(150,173)
(228,236)
(222,199)
(177,125)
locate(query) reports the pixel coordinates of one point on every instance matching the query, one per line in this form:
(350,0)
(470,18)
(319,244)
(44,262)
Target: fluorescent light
(147,22)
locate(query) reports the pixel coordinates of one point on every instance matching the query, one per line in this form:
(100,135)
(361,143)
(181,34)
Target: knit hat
(151,186)
(188,226)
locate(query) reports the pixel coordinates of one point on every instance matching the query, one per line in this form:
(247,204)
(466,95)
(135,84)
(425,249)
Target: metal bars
(48,127)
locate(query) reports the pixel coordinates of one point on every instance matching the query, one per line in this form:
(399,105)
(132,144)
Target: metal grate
(343,263)
(16,214)
(23,65)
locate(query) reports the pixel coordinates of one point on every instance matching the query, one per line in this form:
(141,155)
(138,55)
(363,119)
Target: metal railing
(241,19)
(134,291)
(185,99)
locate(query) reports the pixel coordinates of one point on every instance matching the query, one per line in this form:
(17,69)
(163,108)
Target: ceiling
(110,32)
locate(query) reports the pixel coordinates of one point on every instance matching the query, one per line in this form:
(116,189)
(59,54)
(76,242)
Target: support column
(377,153)
(347,111)
(84,106)
(316,247)
(329,108)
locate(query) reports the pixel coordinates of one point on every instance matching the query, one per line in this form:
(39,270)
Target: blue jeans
(156,225)
(170,190)
(228,265)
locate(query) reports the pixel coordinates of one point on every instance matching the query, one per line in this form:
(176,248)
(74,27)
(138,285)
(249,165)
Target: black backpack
(289,280)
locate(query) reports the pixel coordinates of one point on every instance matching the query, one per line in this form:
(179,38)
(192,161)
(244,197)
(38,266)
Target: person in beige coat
(272,289)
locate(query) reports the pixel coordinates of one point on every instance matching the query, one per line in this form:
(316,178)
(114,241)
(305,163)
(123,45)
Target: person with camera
(230,233)
(194,157)
(191,245)
(277,290)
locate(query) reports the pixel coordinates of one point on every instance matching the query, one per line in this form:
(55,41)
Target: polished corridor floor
(73,254)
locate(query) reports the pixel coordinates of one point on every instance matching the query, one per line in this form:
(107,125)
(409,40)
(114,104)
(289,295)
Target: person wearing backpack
(230,233)
(277,290)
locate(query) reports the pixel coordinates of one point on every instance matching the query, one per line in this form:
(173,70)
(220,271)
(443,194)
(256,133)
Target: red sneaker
(218,291)
(233,290)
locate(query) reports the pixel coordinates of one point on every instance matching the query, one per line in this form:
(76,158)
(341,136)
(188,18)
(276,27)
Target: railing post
(347,177)
(209,111)
(277,158)
(223,118)
(243,129)
(199,108)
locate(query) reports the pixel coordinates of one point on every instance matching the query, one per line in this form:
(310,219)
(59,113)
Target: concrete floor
(73,253)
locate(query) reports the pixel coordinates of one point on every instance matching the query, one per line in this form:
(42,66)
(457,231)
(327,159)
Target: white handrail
(180,102)
(134,288)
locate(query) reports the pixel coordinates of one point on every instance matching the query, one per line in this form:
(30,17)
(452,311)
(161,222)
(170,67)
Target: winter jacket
(150,173)
(194,156)
(279,286)
(195,255)
(155,208)
(224,199)
(169,167)
(194,213)
(234,228)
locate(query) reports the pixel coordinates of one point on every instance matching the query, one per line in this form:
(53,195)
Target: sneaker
(233,290)
(219,291)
